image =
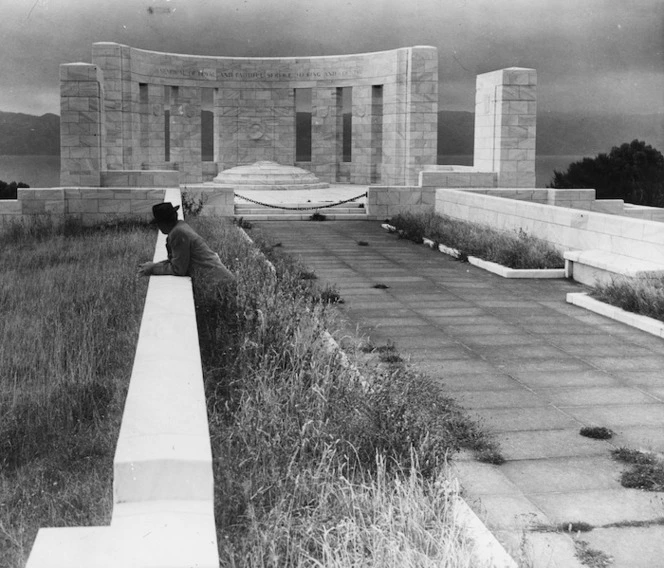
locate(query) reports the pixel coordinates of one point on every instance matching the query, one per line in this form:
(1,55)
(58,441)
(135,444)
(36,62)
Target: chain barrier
(300,208)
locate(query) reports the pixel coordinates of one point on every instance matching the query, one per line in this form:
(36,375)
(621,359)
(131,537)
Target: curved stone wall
(252,100)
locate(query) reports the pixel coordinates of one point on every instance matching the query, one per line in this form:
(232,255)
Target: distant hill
(560,133)
(557,133)
(27,134)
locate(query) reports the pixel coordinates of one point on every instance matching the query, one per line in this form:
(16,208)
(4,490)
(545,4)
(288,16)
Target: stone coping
(616,263)
(644,323)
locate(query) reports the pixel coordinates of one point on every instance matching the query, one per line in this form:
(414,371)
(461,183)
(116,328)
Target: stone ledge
(596,266)
(649,325)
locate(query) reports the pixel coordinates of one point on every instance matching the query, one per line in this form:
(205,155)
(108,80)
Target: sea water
(44,171)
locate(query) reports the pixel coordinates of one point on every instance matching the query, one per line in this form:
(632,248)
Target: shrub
(632,171)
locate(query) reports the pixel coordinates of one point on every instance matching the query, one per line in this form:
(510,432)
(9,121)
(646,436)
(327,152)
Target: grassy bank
(313,466)
(643,296)
(71,307)
(514,250)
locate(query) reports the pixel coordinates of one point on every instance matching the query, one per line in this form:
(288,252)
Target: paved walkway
(533,368)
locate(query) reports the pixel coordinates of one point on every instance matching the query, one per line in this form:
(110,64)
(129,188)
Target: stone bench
(593,267)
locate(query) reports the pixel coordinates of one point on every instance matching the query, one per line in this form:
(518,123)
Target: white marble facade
(115,111)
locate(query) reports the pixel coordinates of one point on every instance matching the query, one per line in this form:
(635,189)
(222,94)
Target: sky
(590,55)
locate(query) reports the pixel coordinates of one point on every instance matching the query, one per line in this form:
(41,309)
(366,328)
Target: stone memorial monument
(144,118)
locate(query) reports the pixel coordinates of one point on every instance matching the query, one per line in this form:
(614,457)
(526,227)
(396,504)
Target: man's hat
(165,212)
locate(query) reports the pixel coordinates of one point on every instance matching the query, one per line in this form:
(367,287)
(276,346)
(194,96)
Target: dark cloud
(588,53)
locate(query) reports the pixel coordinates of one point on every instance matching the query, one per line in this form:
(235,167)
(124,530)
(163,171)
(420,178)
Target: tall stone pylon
(505,125)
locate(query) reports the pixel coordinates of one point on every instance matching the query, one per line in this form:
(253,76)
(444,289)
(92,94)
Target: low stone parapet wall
(565,228)
(163,491)
(140,178)
(385,201)
(88,206)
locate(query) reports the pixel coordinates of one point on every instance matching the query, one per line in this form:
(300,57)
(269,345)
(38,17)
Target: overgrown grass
(643,296)
(514,250)
(312,466)
(71,307)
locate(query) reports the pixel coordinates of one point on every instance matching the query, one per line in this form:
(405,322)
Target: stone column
(410,116)
(422,109)
(120,104)
(81,125)
(186,134)
(360,166)
(505,119)
(324,133)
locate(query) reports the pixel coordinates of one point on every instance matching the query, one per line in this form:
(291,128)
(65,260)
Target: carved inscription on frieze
(219,74)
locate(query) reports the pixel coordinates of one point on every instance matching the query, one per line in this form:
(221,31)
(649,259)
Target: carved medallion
(256,131)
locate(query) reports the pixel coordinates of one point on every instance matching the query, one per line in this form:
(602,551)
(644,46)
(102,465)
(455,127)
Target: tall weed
(517,250)
(643,295)
(293,430)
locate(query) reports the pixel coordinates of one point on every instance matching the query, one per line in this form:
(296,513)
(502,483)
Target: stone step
(301,217)
(275,186)
(270,211)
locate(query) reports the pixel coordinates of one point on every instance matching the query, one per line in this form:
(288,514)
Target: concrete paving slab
(549,550)
(435,355)
(484,479)
(643,363)
(600,507)
(538,444)
(466,382)
(519,397)
(508,512)
(564,474)
(583,396)
(535,418)
(646,438)
(636,547)
(542,379)
(618,416)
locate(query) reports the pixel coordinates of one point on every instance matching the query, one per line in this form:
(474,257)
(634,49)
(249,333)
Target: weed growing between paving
(596,432)
(71,306)
(646,469)
(643,295)
(513,250)
(314,467)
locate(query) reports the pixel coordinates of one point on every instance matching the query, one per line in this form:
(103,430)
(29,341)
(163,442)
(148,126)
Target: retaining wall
(163,493)
(565,227)
(88,206)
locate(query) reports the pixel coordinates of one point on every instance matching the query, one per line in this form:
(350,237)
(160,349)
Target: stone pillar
(282,103)
(186,134)
(410,116)
(227,116)
(505,119)
(422,112)
(324,133)
(360,166)
(156,150)
(120,104)
(81,125)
